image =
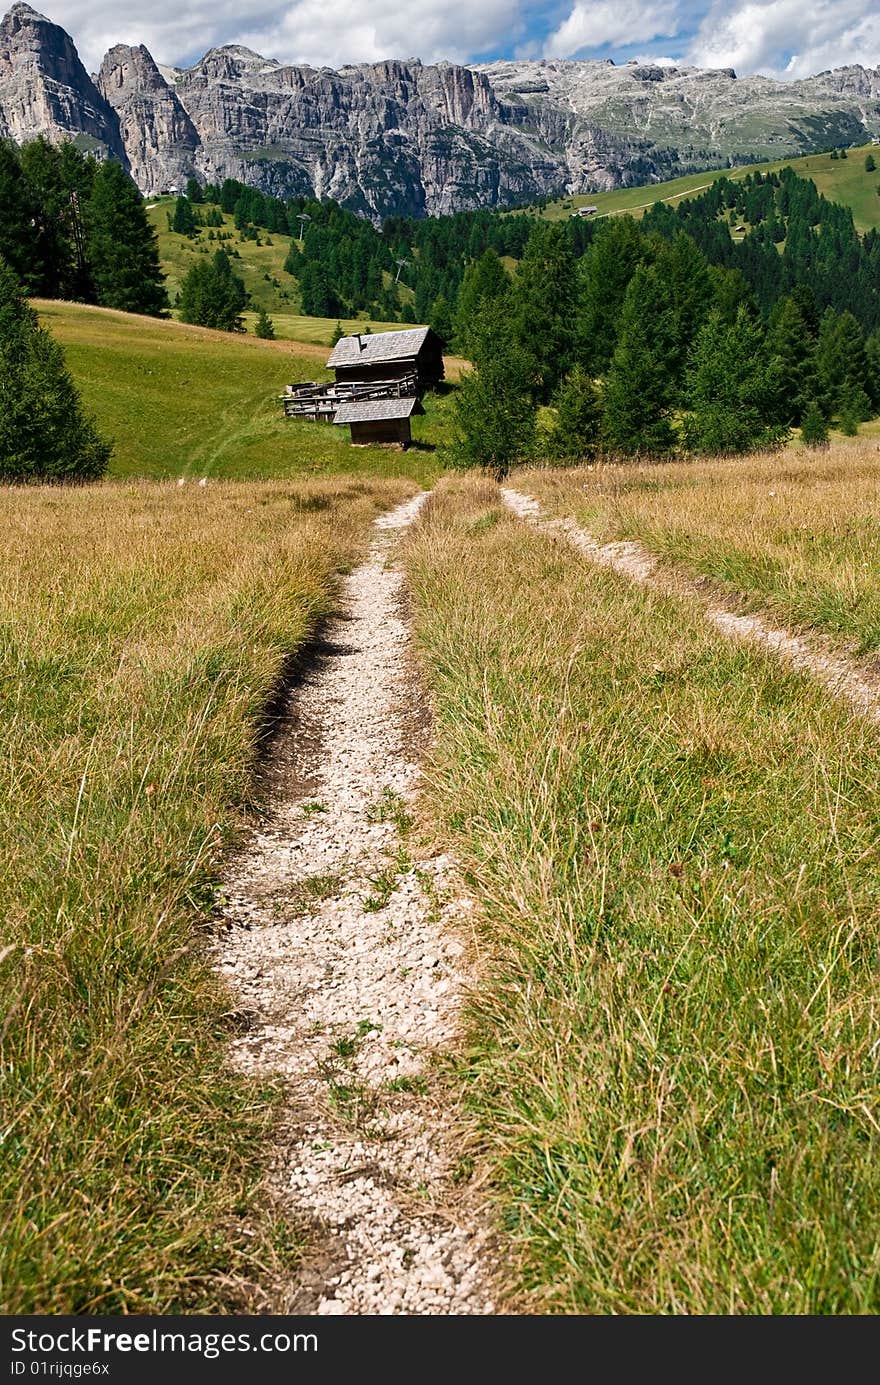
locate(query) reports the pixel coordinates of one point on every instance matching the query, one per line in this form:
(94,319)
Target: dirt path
(350,959)
(631,560)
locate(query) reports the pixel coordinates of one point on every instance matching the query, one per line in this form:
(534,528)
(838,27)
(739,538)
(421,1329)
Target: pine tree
(793,350)
(122,250)
(639,389)
(183,221)
(604,274)
(18,211)
(485,281)
(194,191)
(578,418)
(842,366)
(338,334)
(731,390)
(814,429)
(543,307)
(870,163)
(212,296)
(264,327)
(441,320)
(684,273)
(494,414)
(44,433)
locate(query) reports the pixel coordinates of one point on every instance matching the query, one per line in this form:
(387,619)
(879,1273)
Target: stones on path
(347,948)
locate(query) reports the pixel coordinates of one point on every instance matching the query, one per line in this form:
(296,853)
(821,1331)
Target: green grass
(318,331)
(840,180)
(144,628)
(261,267)
(182,401)
(795,534)
(673,1066)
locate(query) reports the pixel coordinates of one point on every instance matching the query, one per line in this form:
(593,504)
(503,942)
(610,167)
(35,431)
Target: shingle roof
(371,410)
(378,346)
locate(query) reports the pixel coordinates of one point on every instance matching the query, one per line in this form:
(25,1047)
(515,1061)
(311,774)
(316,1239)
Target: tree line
(74,228)
(645,345)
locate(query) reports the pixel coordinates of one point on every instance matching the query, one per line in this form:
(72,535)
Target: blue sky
(784,38)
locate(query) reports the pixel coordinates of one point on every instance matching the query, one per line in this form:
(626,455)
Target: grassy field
(796,534)
(183,401)
(673,1067)
(261,268)
(143,631)
(840,180)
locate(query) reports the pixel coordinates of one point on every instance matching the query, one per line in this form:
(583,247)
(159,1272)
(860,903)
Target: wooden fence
(320,402)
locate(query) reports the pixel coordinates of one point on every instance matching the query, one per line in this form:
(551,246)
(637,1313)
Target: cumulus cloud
(320,32)
(788,38)
(596,24)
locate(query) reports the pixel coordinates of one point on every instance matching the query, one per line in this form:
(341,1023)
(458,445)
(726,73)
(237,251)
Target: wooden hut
(417,352)
(385,422)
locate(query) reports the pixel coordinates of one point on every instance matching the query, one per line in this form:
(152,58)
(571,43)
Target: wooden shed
(416,352)
(379,421)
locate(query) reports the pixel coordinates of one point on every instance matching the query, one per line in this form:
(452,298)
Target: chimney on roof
(360,341)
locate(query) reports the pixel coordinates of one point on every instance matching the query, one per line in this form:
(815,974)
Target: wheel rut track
(351,959)
(837,673)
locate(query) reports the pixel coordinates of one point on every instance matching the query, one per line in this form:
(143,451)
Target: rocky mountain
(403,137)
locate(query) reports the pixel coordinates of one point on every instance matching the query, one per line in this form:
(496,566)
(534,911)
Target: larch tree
(122,248)
(45,434)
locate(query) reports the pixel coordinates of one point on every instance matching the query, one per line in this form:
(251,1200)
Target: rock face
(400,137)
(44,88)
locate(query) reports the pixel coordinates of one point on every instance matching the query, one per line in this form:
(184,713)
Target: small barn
(380,421)
(415,354)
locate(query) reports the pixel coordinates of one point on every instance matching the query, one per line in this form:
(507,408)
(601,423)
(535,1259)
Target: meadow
(180,401)
(672,1071)
(840,180)
(145,629)
(793,533)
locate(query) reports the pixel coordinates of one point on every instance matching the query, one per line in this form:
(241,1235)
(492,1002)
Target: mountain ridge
(403,137)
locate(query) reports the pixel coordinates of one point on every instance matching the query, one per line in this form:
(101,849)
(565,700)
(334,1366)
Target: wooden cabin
(382,422)
(417,351)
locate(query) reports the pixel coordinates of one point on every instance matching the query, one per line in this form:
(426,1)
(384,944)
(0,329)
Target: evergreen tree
(194,191)
(212,296)
(604,275)
(731,390)
(793,350)
(338,334)
(441,321)
(485,281)
(543,307)
(264,327)
(870,163)
(494,414)
(872,358)
(684,273)
(842,367)
(60,181)
(639,389)
(183,221)
(814,429)
(44,433)
(18,211)
(121,244)
(578,418)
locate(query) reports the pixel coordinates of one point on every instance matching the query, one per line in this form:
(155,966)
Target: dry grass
(794,533)
(674,1070)
(143,630)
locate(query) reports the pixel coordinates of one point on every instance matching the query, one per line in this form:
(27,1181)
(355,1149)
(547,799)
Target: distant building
(585,211)
(389,356)
(385,422)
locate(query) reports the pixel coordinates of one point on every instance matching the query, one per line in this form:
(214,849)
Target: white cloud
(617,23)
(788,38)
(320,32)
